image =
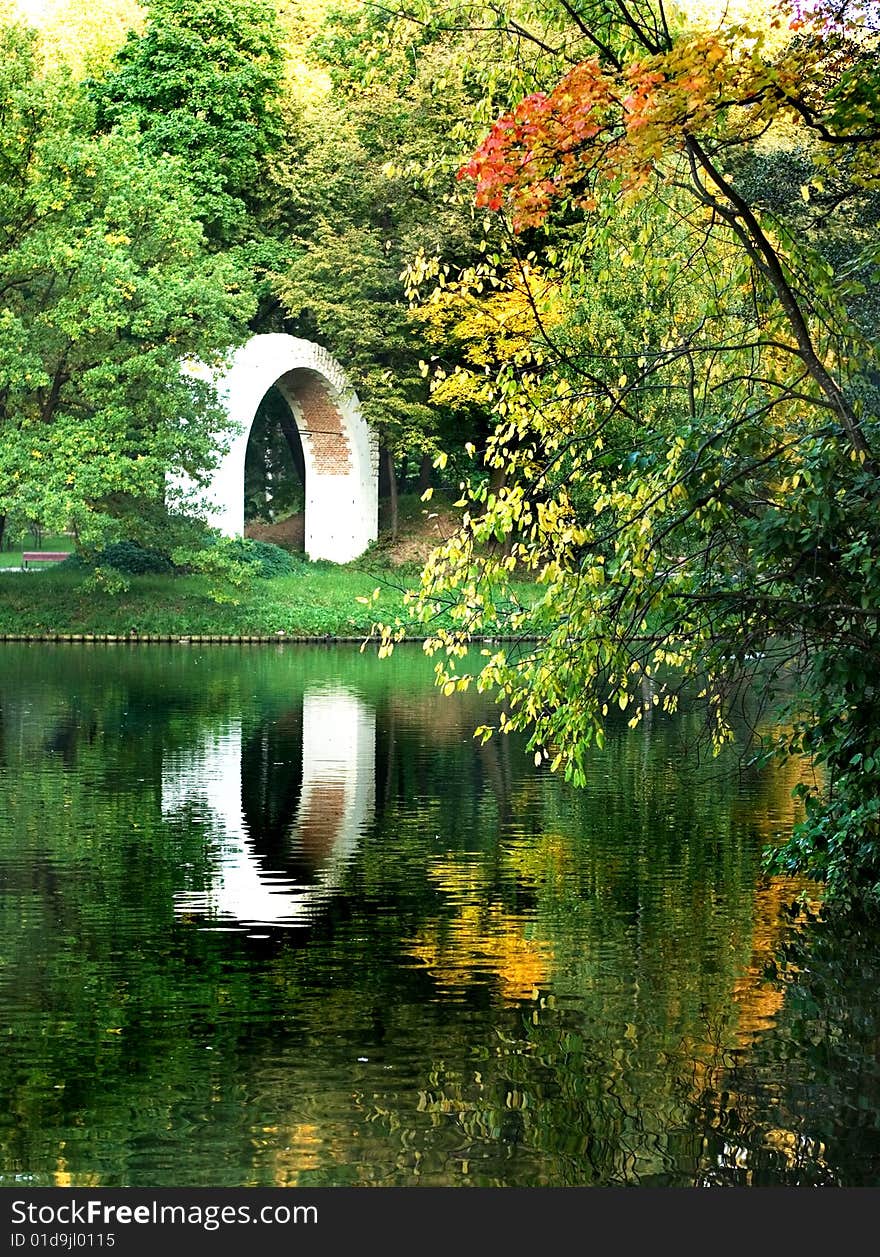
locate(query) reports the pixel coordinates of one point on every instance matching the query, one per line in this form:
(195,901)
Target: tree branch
(762,252)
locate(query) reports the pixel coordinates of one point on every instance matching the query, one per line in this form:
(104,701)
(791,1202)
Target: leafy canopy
(107,285)
(202,83)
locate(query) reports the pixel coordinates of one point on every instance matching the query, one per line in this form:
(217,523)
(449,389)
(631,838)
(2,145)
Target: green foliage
(369,179)
(202,83)
(107,286)
(837,724)
(128,557)
(267,559)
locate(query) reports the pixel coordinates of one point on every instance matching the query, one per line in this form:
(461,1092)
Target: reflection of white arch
(339,449)
(336,803)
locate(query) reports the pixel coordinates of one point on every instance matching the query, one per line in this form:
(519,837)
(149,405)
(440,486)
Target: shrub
(125,556)
(269,560)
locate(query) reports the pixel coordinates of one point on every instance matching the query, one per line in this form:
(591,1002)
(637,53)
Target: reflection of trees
(271,781)
(802,1106)
(517,983)
(638,906)
(412,735)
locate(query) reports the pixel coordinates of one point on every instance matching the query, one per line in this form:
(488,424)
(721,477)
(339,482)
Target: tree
(107,286)
(202,83)
(369,175)
(688,457)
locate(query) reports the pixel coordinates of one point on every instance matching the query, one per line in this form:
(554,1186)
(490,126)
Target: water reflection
(503,981)
(234,785)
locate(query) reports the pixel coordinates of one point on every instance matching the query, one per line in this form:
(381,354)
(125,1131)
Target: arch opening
(275,476)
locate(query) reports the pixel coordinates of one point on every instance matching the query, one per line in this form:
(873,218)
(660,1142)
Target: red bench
(44,556)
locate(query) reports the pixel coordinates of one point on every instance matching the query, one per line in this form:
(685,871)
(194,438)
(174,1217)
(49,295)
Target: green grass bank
(318,601)
(321,600)
(312,600)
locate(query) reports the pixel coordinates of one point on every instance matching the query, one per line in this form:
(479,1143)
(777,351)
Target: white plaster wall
(341,515)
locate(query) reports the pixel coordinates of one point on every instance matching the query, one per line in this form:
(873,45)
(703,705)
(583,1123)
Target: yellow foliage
(495,318)
(82,34)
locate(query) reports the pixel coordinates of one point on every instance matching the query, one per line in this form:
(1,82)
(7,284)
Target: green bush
(265,560)
(269,560)
(125,556)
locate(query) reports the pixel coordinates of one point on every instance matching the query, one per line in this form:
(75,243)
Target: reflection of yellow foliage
(758,1002)
(779,809)
(480,938)
(796,1148)
(458,878)
(548,856)
(793,1147)
(62,1177)
(304,1149)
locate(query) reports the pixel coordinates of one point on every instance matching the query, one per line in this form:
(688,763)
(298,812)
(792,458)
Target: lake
(271,916)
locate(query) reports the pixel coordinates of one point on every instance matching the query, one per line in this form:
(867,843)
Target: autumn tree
(689,454)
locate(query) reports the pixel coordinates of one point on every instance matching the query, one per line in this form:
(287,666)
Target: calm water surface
(270,916)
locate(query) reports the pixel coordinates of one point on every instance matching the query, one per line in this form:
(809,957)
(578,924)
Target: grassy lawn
(320,600)
(316,600)
(313,603)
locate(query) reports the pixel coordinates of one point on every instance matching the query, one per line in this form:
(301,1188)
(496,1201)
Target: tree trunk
(294,443)
(391,482)
(2,529)
(426,473)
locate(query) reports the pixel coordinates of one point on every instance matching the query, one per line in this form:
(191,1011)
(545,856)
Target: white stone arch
(339,449)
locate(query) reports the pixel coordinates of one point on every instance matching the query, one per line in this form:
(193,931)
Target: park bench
(44,556)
